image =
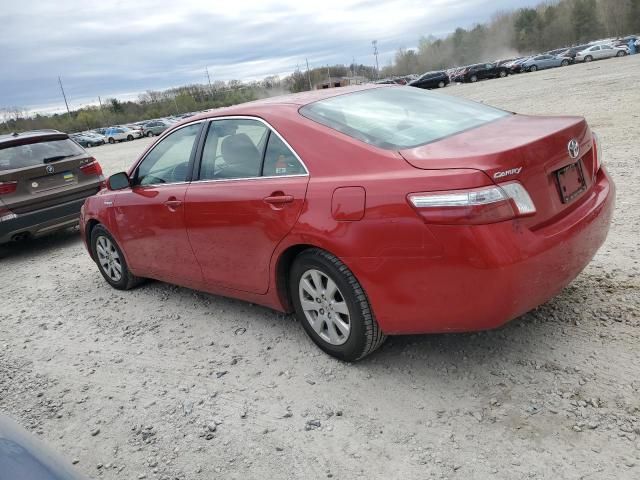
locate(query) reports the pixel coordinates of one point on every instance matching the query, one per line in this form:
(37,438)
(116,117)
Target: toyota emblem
(50,169)
(574,148)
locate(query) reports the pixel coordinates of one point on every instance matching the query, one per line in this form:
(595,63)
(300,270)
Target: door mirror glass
(118,181)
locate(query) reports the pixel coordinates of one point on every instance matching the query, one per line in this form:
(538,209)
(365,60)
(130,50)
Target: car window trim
(192,157)
(197,166)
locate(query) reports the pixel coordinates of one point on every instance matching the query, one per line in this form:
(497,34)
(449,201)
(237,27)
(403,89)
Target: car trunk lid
(530,149)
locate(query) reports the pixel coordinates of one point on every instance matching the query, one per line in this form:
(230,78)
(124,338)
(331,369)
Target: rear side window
(33,154)
(401,117)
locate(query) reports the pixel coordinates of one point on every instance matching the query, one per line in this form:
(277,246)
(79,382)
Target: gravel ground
(167,383)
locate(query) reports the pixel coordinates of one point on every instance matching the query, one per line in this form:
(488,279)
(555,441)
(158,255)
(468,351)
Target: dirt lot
(163,382)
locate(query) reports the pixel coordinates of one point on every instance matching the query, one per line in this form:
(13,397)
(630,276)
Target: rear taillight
(8,187)
(475,206)
(598,155)
(92,168)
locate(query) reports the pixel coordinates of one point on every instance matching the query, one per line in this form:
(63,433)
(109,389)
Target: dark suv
(431,80)
(44,178)
(481,71)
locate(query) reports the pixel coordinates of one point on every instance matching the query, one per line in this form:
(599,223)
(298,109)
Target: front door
(250,191)
(150,216)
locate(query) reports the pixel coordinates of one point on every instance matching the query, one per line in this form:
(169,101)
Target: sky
(122,48)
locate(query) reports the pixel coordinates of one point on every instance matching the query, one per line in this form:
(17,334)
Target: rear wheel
(112,140)
(502,74)
(110,260)
(149,134)
(441,85)
(332,306)
(473,79)
(621,53)
(564,63)
(588,58)
(129,137)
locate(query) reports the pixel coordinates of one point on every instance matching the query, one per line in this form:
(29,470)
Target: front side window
(168,162)
(399,117)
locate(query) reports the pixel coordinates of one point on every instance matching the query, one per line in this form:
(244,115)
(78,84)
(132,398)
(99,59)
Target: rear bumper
(485,275)
(41,221)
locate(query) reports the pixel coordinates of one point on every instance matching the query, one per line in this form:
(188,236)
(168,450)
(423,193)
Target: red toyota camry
(367,211)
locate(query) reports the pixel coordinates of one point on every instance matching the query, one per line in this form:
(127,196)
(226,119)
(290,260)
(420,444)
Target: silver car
(540,62)
(598,52)
(155,127)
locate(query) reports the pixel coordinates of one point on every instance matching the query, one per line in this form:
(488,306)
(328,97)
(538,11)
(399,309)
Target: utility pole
(209,79)
(308,74)
(64,96)
(375,52)
(329,76)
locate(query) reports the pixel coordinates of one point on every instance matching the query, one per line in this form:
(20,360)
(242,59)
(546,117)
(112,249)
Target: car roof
(15,137)
(290,101)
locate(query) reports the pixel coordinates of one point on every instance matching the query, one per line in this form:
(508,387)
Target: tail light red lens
(474,206)
(92,168)
(8,187)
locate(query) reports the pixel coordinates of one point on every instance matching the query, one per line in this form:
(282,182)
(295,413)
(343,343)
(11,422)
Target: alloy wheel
(324,307)
(109,258)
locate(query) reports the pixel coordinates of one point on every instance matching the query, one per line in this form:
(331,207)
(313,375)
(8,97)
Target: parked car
(24,457)
(44,179)
(483,71)
(438,79)
(541,62)
(155,127)
(135,126)
(516,65)
(119,134)
(573,51)
(86,140)
(599,52)
(441,197)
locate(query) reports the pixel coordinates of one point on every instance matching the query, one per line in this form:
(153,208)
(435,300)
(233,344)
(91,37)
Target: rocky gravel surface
(167,383)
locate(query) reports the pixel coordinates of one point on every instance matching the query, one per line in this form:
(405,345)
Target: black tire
(441,85)
(621,53)
(473,79)
(127,280)
(149,134)
(533,68)
(588,58)
(564,63)
(502,74)
(365,335)
(112,140)
(129,138)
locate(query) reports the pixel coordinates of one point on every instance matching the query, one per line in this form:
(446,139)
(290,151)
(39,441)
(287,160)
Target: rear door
(250,191)
(43,171)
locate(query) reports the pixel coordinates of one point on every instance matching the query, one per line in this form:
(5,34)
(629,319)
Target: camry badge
(50,169)
(574,148)
(506,173)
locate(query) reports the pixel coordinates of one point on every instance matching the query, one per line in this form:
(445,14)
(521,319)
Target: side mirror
(118,181)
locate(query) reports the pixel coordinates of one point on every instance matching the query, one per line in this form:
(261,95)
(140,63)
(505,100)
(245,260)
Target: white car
(598,52)
(119,134)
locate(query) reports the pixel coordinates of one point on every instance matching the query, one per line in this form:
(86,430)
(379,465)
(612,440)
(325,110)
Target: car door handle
(279,199)
(172,203)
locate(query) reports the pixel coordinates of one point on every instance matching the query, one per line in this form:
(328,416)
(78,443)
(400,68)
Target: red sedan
(367,211)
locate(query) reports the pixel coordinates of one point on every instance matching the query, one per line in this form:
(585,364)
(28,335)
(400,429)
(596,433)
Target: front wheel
(332,306)
(149,134)
(112,141)
(502,74)
(441,85)
(588,58)
(565,63)
(533,68)
(621,54)
(473,79)
(110,260)
(129,138)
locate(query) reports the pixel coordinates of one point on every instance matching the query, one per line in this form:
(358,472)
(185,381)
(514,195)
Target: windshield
(30,155)
(401,117)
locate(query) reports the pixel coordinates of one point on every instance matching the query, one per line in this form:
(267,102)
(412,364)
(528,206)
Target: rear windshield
(400,117)
(30,155)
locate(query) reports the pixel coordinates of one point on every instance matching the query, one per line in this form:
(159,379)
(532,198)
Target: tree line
(552,24)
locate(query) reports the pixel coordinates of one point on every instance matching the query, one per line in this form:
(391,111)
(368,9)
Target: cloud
(110,48)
